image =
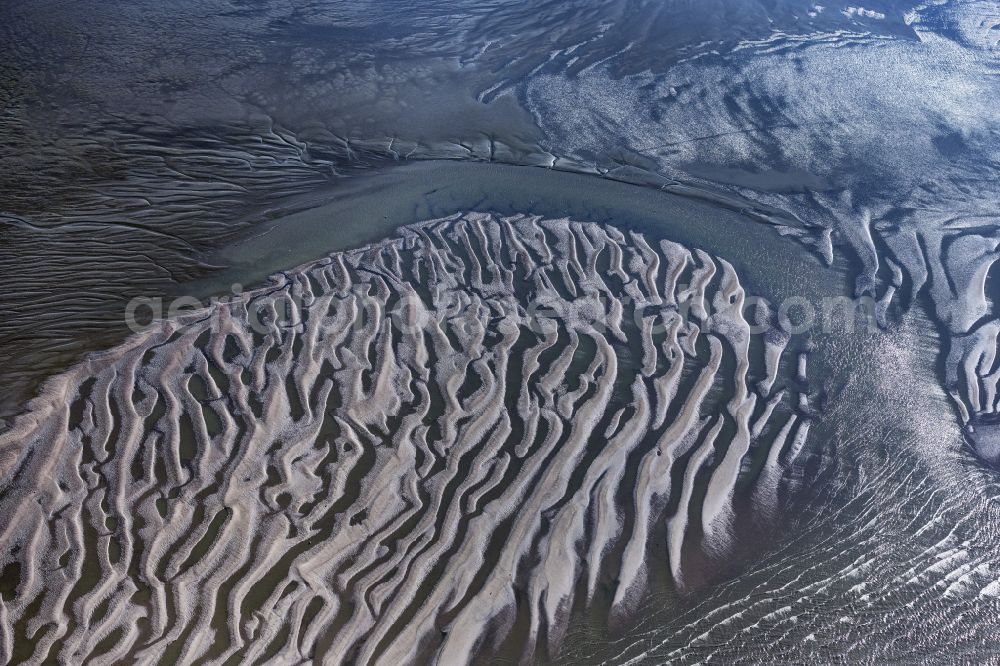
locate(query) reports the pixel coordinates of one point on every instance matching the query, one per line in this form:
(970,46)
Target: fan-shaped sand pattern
(407,434)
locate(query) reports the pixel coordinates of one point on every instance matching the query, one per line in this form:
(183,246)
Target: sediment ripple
(398,452)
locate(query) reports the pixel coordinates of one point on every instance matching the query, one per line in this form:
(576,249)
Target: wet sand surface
(281,473)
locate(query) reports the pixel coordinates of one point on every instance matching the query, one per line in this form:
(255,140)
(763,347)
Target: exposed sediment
(392,453)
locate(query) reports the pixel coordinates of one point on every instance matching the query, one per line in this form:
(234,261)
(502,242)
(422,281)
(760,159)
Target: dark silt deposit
(585,332)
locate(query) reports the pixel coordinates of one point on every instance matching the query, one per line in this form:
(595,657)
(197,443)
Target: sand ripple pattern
(333,487)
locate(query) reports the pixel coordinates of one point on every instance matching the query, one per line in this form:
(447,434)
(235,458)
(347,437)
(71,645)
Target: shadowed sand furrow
(364,459)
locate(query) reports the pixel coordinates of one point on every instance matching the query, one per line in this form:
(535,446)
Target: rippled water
(801,149)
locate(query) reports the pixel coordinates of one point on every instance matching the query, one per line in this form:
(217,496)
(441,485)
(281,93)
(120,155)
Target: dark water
(158,150)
